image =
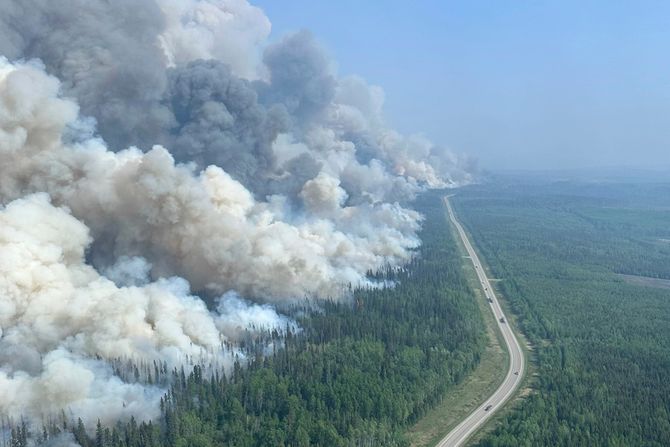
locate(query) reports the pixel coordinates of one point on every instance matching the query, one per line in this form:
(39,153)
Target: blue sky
(519,84)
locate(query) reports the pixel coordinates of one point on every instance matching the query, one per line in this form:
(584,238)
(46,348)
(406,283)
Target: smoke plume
(61,322)
(153,150)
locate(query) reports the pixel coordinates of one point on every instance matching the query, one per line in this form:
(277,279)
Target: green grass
(530,361)
(481,383)
(527,383)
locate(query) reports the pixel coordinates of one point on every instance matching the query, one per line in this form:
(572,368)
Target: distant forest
(357,374)
(601,344)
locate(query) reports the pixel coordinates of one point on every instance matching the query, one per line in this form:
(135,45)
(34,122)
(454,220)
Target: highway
(459,435)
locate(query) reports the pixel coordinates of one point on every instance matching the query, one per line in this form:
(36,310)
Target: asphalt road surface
(477,418)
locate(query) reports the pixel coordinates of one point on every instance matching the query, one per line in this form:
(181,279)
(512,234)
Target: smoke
(228,31)
(112,56)
(186,74)
(239,315)
(299,78)
(220,121)
(65,439)
(106,53)
(61,322)
(204,226)
(62,315)
(155,149)
(129,271)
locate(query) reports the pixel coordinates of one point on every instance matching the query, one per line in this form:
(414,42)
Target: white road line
(476,419)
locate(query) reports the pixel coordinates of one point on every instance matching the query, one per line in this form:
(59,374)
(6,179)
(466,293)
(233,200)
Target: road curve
(477,418)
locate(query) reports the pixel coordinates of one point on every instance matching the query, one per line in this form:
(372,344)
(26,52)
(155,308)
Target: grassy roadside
(529,378)
(480,384)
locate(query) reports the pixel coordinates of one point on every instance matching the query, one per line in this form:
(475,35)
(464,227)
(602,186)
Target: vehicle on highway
(516,373)
(460,434)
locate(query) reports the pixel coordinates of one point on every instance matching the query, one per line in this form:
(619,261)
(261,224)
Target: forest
(601,344)
(357,372)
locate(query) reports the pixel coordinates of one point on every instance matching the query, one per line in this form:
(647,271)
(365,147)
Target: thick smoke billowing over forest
(154,150)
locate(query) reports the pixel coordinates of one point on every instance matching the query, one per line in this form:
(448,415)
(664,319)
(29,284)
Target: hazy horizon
(334,223)
(529,85)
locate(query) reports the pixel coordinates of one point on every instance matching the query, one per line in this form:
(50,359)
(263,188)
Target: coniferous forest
(214,233)
(356,373)
(582,267)
(600,341)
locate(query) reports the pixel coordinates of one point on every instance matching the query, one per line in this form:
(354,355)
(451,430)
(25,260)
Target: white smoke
(203,226)
(61,322)
(288,184)
(358,110)
(230,31)
(129,271)
(237,315)
(62,315)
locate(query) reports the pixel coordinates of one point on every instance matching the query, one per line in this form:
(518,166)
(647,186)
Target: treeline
(601,344)
(357,374)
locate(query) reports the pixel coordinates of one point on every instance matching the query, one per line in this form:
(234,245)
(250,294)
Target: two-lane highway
(477,418)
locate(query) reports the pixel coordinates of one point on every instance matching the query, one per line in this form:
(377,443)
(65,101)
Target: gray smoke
(61,322)
(220,122)
(106,53)
(168,72)
(299,78)
(153,147)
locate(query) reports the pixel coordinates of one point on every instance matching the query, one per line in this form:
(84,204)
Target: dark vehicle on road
(502,320)
(488,407)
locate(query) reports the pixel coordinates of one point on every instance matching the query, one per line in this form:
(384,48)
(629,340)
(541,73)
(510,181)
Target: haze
(520,85)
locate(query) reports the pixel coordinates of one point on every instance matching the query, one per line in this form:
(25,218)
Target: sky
(518,84)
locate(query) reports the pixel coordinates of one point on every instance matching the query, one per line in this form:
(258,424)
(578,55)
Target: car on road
(502,319)
(488,407)
(490,300)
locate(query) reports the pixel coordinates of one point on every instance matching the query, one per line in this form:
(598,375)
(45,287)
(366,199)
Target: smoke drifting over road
(151,148)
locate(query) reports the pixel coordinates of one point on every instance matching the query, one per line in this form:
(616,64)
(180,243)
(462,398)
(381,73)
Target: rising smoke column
(61,321)
(186,74)
(112,56)
(204,226)
(150,148)
(220,121)
(65,319)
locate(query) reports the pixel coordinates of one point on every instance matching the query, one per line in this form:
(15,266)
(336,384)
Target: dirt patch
(646,281)
(525,392)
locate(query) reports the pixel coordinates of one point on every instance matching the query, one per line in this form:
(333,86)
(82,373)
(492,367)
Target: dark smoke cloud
(255,172)
(299,78)
(220,122)
(106,53)
(133,65)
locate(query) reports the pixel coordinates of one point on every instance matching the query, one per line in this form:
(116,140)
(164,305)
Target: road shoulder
(463,398)
(526,386)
